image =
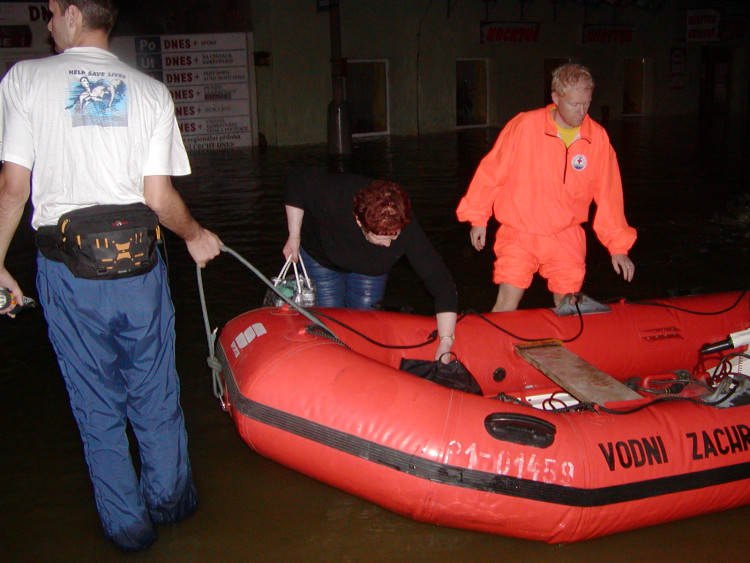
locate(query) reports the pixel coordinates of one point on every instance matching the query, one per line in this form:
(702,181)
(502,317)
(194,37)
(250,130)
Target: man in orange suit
(539,179)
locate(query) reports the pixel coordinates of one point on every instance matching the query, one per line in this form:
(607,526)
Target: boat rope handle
(522,338)
(580,316)
(432,337)
(688,311)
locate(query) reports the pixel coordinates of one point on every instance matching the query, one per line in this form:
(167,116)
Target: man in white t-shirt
(86,130)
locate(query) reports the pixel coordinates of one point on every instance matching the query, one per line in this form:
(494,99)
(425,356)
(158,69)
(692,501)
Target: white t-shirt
(89,127)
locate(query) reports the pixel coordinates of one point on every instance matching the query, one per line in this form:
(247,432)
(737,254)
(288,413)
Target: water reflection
(685,191)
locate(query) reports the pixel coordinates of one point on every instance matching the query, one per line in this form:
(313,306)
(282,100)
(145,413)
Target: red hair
(382,208)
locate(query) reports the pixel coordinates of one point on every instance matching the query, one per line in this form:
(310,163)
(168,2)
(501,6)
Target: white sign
(210,80)
(703,25)
(23,32)
(209,76)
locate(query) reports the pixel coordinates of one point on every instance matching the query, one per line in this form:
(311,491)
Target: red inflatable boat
(587,424)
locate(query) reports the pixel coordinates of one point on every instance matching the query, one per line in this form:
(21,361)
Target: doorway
(472,94)
(367,97)
(633,87)
(715,82)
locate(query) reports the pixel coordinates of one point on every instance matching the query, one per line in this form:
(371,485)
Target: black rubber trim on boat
(520,428)
(470,478)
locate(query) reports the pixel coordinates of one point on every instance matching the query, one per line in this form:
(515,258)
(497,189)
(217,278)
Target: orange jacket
(536,185)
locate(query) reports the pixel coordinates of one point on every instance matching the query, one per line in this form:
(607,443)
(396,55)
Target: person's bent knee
(563,288)
(565,280)
(508,298)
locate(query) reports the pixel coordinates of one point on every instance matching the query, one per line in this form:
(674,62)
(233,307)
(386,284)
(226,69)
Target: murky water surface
(686,192)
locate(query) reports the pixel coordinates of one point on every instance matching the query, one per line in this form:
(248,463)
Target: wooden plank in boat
(578,377)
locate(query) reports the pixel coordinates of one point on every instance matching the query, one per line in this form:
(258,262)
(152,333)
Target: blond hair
(571,74)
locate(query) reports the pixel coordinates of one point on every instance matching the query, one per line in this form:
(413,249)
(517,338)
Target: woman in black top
(354,230)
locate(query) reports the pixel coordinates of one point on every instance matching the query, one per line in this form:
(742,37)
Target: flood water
(686,192)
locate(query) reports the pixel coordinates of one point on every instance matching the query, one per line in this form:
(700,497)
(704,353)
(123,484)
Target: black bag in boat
(453,374)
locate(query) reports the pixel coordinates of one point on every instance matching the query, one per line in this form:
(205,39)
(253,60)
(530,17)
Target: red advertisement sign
(607,34)
(510,32)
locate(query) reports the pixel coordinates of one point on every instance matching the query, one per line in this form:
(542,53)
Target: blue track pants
(115,344)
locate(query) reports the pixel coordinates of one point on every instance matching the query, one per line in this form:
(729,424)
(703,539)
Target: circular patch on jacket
(579,162)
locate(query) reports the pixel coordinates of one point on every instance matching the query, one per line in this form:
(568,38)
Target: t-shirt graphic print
(97,99)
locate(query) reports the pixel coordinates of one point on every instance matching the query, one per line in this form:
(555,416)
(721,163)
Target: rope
(580,317)
(433,336)
(521,338)
(318,326)
(213,363)
(666,306)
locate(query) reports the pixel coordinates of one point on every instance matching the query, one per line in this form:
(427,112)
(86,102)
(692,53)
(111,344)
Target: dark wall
(168,17)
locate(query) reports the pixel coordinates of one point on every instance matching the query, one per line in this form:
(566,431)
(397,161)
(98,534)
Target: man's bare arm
(161,196)
(15,188)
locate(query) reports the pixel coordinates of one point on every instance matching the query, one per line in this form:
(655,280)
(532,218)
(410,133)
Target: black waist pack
(103,242)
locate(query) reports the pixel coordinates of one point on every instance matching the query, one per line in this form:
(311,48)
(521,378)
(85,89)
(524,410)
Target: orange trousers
(560,258)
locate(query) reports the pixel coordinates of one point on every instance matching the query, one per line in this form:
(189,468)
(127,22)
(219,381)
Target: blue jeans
(114,341)
(344,290)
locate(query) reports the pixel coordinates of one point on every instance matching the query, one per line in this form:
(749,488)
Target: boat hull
(347,416)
